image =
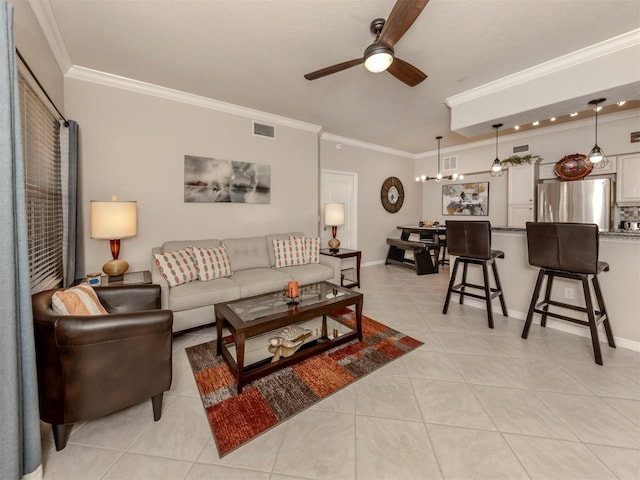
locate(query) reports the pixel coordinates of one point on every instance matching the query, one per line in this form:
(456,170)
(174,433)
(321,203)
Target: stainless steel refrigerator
(583,201)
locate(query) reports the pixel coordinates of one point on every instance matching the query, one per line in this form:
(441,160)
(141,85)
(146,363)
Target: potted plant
(515,160)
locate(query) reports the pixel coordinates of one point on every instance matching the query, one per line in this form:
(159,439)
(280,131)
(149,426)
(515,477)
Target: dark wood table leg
(359,319)
(240,340)
(219,327)
(358,258)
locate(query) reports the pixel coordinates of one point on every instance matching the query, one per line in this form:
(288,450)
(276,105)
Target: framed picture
(466,199)
(212,180)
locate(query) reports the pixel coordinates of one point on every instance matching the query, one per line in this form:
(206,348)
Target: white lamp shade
(113,220)
(334,214)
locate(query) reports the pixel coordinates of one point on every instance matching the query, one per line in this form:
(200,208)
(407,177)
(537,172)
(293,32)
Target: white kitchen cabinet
(521,182)
(628,180)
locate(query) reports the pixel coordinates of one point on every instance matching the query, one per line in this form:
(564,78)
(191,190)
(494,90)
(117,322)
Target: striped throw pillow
(211,263)
(79,300)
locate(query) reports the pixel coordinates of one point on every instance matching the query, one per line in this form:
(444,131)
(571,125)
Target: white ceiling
(254,53)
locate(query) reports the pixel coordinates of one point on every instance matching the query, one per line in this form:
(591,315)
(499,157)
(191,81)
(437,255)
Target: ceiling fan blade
(402,16)
(405,72)
(333,69)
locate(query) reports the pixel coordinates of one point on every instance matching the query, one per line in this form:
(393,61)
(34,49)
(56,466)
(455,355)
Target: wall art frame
(212,180)
(469,199)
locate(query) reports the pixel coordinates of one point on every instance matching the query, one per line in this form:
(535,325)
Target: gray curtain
(73,242)
(20,452)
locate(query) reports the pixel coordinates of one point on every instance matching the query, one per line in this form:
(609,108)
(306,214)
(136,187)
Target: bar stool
(568,250)
(470,242)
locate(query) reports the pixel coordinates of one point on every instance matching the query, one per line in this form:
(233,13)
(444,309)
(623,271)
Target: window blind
(41,146)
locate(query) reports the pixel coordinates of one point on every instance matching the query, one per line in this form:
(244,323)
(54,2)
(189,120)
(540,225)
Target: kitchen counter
(630,234)
(620,285)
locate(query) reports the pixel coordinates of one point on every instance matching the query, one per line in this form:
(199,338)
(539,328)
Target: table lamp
(113,221)
(334,216)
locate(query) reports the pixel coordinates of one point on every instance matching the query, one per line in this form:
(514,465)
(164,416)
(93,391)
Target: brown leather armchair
(90,366)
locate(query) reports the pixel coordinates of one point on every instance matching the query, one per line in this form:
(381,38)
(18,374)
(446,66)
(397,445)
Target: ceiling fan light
(377,58)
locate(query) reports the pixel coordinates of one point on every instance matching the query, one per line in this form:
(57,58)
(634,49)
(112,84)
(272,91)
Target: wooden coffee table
(252,321)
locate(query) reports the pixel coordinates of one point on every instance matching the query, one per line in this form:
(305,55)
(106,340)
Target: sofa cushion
(176,266)
(184,244)
(199,294)
(247,253)
(256,281)
(278,236)
(79,300)
(211,263)
(310,273)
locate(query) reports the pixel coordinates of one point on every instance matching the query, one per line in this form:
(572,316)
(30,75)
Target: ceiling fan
(379,56)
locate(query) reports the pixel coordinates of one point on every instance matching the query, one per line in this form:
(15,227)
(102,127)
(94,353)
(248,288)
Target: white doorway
(341,187)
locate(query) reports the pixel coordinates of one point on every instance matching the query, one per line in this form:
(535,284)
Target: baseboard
(562,326)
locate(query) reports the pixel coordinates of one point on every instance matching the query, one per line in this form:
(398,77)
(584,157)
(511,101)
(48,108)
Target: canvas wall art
(211,180)
(466,199)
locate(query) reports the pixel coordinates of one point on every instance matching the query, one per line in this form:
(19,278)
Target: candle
(292,289)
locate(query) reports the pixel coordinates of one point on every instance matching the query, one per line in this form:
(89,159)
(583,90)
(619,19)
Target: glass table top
(254,308)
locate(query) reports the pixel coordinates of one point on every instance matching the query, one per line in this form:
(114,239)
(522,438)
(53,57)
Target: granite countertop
(612,233)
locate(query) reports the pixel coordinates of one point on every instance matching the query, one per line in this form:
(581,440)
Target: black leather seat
(92,365)
(470,243)
(568,250)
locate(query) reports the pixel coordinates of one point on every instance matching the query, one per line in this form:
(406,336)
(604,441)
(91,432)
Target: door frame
(353,201)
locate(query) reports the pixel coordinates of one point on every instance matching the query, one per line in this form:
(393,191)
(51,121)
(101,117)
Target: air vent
(263,130)
(449,163)
(521,149)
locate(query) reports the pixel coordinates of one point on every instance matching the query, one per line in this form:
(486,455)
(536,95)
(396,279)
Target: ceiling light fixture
(621,103)
(553,119)
(496,166)
(517,127)
(596,155)
(574,114)
(377,58)
(536,123)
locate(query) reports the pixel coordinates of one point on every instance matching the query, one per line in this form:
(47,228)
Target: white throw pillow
(311,248)
(177,267)
(211,263)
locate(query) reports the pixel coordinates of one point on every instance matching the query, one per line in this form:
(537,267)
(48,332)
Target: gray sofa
(253,263)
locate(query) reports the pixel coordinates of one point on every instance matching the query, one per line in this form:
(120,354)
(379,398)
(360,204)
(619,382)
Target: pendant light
(496,166)
(439,175)
(596,155)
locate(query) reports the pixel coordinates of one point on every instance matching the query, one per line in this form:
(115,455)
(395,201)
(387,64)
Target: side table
(129,278)
(346,253)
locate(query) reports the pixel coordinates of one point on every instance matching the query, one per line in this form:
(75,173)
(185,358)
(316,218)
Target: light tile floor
(470,403)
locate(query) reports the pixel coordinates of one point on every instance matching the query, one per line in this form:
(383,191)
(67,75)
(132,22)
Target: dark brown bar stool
(470,242)
(568,250)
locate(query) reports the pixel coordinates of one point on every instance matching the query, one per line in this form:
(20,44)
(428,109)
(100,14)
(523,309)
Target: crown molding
(47,20)
(569,60)
(330,137)
(144,88)
(561,127)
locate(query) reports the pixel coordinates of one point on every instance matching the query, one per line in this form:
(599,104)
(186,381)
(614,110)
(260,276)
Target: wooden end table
(346,253)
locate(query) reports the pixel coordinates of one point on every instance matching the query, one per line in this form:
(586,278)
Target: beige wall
(33,46)
(375,224)
(133,145)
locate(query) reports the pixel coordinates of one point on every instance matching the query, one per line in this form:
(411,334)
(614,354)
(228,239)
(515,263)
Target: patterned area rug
(236,419)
